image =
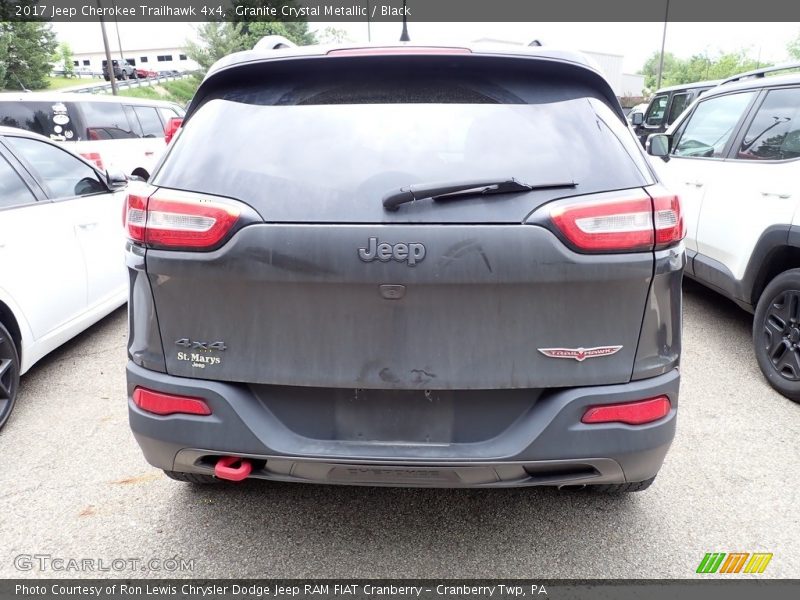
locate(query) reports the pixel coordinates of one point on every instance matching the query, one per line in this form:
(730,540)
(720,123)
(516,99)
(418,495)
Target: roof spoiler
(761,72)
(273,42)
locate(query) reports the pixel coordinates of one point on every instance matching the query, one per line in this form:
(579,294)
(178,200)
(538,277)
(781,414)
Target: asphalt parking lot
(75,486)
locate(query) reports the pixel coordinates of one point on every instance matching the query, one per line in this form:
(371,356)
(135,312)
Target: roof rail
(761,72)
(273,42)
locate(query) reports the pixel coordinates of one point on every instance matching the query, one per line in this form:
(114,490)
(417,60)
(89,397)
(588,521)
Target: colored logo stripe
(711,562)
(734,562)
(758,562)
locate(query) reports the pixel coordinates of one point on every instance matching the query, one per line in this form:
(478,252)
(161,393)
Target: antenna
(404,35)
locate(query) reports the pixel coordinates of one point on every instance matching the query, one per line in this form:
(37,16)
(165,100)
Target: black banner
(393,10)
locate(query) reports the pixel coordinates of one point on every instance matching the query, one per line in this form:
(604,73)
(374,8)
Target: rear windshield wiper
(462,189)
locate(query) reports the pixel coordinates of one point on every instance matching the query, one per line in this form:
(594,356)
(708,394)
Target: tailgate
(300,305)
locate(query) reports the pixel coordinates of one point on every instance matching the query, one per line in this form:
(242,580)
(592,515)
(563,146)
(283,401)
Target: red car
(144,73)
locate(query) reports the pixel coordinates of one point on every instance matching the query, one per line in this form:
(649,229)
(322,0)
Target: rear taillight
(159,403)
(172,128)
(95,158)
(668,220)
(170,219)
(629,224)
(630,413)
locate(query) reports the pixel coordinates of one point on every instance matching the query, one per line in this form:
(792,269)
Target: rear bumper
(545,444)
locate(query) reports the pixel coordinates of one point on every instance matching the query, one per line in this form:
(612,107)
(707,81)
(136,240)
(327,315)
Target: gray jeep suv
(416,266)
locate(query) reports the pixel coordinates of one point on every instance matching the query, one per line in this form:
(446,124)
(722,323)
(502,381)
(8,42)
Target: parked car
(122,70)
(667,105)
(115,132)
(327,314)
(61,258)
(145,73)
(734,159)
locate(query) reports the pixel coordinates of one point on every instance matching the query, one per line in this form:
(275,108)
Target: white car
(734,159)
(61,251)
(114,132)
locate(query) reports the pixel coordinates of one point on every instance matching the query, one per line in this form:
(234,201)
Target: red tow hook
(227,468)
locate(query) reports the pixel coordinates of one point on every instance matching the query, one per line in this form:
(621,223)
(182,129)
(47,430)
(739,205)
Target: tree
(26,52)
(793,48)
(64,57)
(695,68)
(216,39)
(254,28)
(650,68)
(332,35)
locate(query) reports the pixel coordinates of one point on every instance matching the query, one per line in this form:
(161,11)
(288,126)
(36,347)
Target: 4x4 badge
(580,354)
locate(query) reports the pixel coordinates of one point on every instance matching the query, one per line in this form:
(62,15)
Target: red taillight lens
(168,404)
(631,224)
(169,219)
(136,217)
(94,157)
(631,413)
(668,220)
(607,225)
(172,128)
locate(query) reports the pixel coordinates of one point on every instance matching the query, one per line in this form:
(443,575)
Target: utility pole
(369,30)
(109,64)
(663,43)
(116,24)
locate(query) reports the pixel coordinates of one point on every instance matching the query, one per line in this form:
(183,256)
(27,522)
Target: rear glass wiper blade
(462,189)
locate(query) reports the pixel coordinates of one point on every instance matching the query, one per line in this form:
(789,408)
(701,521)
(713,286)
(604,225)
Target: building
(152,46)
(623,84)
(152,59)
(610,65)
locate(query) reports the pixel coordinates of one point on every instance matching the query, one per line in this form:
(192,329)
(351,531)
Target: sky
(635,41)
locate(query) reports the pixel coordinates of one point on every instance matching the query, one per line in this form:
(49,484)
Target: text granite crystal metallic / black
(405,265)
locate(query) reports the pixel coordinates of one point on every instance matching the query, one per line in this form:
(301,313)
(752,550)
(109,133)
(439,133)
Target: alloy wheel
(781,339)
(9,376)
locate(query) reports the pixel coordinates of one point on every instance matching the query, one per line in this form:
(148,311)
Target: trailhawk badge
(580,354)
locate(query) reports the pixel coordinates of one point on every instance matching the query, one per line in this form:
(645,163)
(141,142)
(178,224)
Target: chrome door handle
(776,195)
(697,184)
(91,225)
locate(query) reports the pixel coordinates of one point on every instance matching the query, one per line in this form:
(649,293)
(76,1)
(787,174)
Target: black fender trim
(745,292)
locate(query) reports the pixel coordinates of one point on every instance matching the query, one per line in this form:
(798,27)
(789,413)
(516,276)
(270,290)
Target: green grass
(142,92)
(179,91)
(57,83)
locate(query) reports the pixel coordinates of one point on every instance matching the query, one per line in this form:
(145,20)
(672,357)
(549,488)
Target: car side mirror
(657,145)
(116,179)
(637,119)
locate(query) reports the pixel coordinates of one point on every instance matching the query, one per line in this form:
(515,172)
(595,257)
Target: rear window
(337,146)
(105,120)
(50,119)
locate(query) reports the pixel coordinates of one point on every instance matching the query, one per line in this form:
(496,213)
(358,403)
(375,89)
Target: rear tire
(776,334)
(196,478)
(621,488)
(9,374)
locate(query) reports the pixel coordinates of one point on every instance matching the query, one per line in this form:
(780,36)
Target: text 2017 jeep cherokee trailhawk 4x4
(405,265)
